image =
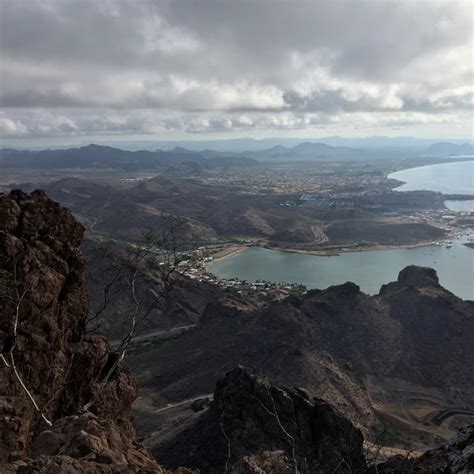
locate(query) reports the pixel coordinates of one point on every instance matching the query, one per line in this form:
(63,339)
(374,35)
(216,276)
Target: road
(91,226)
(155,334)
(444,414)
(183,402)
(319,236)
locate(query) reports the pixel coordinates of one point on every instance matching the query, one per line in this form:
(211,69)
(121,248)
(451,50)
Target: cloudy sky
(162,69)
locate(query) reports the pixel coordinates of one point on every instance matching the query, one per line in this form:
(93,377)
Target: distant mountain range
(251,144)
(448,148)
(97,156)
(239,145)
(180,158)
(305,150)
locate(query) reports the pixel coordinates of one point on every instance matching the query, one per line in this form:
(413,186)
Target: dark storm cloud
(228,64)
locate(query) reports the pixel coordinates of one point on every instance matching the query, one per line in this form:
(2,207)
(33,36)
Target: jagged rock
(102,443)
(456,457)
(419,277)
(41,282)
(256,427)
(87,444)
(66,464)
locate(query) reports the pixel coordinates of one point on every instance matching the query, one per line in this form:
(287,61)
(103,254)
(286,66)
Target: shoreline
(389,175)
(227,252)
(331,252)
(373,248)
(334,252)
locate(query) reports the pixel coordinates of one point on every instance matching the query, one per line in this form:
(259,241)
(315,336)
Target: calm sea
(368,269)
(448,178)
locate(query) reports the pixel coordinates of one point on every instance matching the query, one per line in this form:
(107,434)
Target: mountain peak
(180,149)
(415,276)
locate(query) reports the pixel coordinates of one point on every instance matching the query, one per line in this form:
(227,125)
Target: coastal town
(195,265)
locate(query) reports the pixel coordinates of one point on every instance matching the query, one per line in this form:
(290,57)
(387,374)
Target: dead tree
(159,251)
(12,295)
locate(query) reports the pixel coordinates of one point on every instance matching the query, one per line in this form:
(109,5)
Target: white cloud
(152,66)
(9,127)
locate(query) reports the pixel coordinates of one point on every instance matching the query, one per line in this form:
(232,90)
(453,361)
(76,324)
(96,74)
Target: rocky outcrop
(456,457)
(45,350)
(418,277)
(86,443)
(254,426)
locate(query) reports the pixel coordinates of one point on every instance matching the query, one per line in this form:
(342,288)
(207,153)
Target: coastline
(331,252)
(226,252)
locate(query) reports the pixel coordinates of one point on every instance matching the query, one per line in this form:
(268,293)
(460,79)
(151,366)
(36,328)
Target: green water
(369,269)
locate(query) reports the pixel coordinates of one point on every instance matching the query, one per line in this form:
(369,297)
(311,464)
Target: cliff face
(44,345)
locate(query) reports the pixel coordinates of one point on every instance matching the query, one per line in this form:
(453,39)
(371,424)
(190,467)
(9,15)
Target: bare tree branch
(18,299)
(163,245)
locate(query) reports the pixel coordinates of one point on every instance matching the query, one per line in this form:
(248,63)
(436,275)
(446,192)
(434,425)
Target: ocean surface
(368,269)
(447,178)
(460,206)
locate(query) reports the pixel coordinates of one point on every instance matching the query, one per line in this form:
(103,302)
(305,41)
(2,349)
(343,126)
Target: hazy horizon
(233,144)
